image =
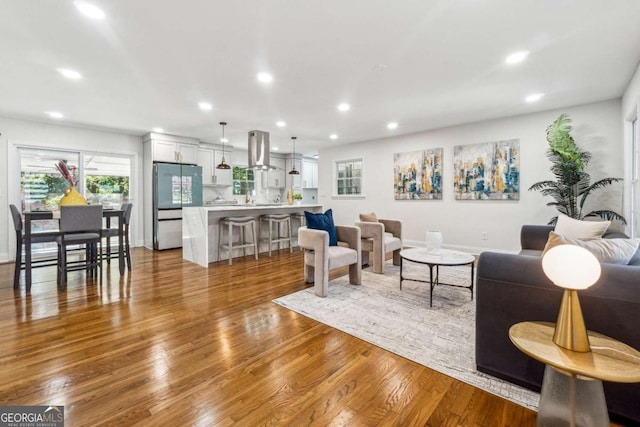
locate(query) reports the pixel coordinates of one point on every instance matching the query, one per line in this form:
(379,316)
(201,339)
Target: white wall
(47,135)
(630,110)
(597,128)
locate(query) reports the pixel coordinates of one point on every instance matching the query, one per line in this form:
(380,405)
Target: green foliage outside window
(243,180)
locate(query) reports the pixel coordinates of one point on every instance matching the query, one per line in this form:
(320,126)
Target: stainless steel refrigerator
(174,186)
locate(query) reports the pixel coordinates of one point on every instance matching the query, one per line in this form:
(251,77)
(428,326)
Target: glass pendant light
(223,164)
(293,170)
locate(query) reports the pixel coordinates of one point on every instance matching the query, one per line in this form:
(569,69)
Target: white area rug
(441,337)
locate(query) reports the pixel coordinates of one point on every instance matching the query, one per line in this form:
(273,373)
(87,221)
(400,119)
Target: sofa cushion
(611,251)
(584,230)
(323,221)
(368,217)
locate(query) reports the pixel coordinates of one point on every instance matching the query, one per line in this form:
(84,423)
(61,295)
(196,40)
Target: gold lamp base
(570,332)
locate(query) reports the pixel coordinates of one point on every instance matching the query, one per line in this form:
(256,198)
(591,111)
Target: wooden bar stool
(277,220)
(241,222)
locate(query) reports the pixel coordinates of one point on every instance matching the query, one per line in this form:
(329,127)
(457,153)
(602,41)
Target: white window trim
(335,194)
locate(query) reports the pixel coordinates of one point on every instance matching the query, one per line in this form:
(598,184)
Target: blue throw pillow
(323,221)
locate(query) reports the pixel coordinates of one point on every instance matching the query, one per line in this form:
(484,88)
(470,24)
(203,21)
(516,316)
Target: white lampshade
(571,267)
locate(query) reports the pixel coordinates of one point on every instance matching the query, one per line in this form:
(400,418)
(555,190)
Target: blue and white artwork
(487,171)
(418,175)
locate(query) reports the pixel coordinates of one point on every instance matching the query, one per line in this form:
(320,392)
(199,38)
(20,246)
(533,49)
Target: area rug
(441,337)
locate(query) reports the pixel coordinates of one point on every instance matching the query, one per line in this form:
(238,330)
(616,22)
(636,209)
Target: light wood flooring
(172,343)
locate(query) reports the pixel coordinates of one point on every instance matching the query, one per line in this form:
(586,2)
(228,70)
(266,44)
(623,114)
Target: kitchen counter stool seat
(277,220)
(240,222)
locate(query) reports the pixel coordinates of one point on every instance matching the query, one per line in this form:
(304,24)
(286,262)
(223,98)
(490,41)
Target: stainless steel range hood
(259,150)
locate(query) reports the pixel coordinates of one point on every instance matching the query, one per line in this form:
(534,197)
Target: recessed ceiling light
(55,115)
(275,148)
(265,77)
(225,140)
(333,136)
(534,97)
(280,124)
(89,10)
(392,125)
(517,57)
(344,107)
(69,73)
(158,130)
(205,106)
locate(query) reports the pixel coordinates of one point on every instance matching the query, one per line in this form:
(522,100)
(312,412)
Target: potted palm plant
(572,185)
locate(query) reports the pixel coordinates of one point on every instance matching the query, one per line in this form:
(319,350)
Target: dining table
(30,216)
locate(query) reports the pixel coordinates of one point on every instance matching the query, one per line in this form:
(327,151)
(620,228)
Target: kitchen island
(200,227)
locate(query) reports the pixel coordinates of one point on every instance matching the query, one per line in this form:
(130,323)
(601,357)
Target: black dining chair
(36,237)
(80,225)
(113,232)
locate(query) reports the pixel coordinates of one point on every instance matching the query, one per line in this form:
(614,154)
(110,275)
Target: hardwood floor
(172,343)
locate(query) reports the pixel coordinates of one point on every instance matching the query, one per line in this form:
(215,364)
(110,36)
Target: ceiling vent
(259,150)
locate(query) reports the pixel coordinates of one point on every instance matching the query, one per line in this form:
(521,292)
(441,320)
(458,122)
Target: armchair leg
(396,257)
(321,278)
(308,274)
(365,257)
(355,274)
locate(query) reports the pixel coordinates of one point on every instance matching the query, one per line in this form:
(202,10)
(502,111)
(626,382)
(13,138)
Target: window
(101,179)
(106,180)
(348,177)
(243,180)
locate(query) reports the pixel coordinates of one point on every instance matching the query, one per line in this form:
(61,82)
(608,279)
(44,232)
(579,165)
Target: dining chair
(113,232)
(80,225)
(36,237)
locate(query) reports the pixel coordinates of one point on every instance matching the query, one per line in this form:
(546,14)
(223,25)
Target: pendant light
(223,164)
(293,170)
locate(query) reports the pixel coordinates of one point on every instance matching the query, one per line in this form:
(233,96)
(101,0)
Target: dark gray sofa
(512,288)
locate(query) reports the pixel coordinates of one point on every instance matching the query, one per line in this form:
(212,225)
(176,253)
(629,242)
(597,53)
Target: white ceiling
(149,63)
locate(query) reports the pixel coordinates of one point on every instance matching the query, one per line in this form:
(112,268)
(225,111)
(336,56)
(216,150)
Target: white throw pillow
(584,230)
(609,251)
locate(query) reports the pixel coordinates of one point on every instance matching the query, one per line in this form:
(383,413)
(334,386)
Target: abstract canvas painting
(418,175)
(487,171)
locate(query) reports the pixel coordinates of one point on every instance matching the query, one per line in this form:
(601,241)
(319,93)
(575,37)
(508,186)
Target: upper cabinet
(275,178)
(309,173)
(172,149)
(209,158)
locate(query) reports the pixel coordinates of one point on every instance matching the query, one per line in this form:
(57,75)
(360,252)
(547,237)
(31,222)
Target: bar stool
(301,218)
(241,222)
(277,220)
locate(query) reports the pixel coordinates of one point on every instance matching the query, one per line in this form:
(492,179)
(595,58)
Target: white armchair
(380,238)
(320,258)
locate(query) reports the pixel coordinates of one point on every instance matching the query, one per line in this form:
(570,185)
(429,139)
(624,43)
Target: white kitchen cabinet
(309,173)
(209,159)
(174,152)
(275,178)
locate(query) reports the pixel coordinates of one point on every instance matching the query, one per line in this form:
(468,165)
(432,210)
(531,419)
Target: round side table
(572,392)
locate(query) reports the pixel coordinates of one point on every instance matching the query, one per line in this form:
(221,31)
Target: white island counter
(200,227)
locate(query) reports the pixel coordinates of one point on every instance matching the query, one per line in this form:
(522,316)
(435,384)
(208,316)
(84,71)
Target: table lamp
(572,268)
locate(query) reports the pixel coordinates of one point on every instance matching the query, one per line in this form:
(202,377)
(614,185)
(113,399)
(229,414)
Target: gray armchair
(320,258)
(380,238)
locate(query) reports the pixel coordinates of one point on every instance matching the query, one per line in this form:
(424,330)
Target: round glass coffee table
(444,258)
